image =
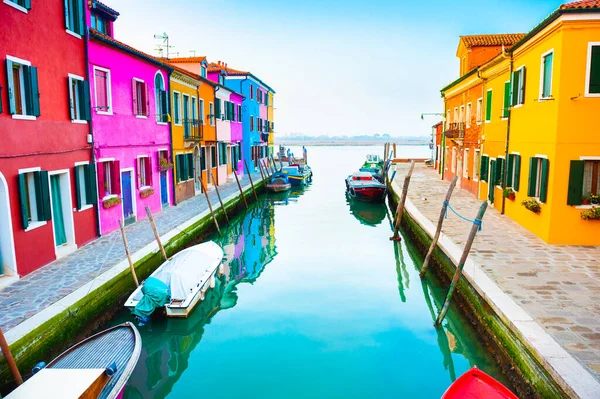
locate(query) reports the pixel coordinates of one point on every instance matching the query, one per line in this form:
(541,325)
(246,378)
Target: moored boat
(475,384)
(97,367)
(179,283)
(278,182)
(373,164)
(363,186)
(297,174)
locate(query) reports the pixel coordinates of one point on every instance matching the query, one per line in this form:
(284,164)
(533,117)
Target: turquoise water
(316,302)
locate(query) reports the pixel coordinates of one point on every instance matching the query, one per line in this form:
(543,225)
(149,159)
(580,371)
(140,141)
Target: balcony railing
(455,130)
(192,129)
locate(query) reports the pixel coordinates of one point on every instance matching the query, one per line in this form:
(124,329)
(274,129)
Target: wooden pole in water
(135,279)
(461,264)
(395,153)
(439,227)
(384,153)
(220,201)
(209,204)
(240,187)
(260,169)
(400,209)
(12,365)
(266,167)
(250,177)
(155,230)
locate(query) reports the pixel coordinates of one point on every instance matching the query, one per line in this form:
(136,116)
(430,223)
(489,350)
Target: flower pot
(111,202)
(511,196)
(585,201)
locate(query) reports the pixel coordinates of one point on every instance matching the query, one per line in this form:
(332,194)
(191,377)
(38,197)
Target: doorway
(198,169)
(63,227)
(127,192)
(164,189)
(8,263)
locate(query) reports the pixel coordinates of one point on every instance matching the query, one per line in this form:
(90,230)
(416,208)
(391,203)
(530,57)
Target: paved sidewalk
(40,289)
(558,286)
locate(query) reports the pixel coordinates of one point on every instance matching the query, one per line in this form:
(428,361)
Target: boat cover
(155,295)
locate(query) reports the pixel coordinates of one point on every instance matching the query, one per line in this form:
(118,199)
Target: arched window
(162,110)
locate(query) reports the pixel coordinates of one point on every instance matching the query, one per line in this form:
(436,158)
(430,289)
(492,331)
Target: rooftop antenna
(165,44)
(193,53)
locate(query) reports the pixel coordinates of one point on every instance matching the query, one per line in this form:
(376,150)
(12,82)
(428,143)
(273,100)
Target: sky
(338,67)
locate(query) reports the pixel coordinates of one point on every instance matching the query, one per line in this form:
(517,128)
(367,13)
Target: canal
(315,302)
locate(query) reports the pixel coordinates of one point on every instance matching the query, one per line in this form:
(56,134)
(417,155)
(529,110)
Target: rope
(476,222)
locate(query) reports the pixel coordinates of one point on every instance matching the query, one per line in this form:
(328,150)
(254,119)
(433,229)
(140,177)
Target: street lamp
(431,113)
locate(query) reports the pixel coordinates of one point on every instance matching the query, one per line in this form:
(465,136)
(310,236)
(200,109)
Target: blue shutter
(23,200)
(33,93)
(70,98)
(77,186)
(12,106)
(91,192)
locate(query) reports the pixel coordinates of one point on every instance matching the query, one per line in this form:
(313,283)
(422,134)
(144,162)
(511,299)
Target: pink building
(237,133)
(130,125)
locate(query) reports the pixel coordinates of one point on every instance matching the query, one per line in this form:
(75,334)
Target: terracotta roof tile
(218,66)
(101,36)
(184,60)
(583,4)
(103,7)
(505,39)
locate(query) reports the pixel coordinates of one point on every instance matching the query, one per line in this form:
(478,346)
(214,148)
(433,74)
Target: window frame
(22,89)
(17,6)
(479,111)
(141,101)
(468,114)
(32,202)
(81,20)
(76,105)
(141,166)
(108,91)
(201,120)
(491,102)
(476,168)
(453,160)
(177,112)
(543,73)
(446,157)
(465,165)
(211,115)
(588,70)
(520,88)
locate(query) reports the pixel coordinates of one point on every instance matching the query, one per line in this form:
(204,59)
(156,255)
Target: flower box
(509,193)
(111,202)
(164,164)
(532,204)
(146,193)
(591,214)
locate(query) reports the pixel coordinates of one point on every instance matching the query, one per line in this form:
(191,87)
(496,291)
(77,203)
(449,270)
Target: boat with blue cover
(278,182)
(298,174)
(97,367)
(373,165)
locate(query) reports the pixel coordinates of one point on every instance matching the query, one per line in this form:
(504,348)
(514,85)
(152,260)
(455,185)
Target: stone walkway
(47,285)
(558,286)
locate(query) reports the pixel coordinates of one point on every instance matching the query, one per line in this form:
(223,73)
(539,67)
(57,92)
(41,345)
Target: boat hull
(298,181)
(367,194)
(278,188)
(475,384)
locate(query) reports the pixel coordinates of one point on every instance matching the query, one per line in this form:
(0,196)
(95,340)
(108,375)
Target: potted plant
(147,192)
(532,204)
(165,165)
(106,189)
(509,193)
(110,202)
(585,200)
(591,214)
(594,199)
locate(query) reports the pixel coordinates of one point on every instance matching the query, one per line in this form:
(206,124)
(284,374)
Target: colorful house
(271,122)
(47,173)
(131,130)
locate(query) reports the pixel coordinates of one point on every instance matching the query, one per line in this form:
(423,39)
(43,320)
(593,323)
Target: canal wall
(46,334)
(522,364)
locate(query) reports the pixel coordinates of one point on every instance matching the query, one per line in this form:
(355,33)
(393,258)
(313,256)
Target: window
(513,174)
(213,156)
(446,158)
(465,165)
(186,116)
(162,103)
(221,80)
(498,177)
(461,114)
(218,108)
(592,81)
(144,171)
(518,87)
(456,115)
(23,92)
(479,110)
(259,124)
(538,178)
(203,159)
(34,196)
(176,108)
(476,164)
(488,106)
(201,106)
(546,75)
(194,112)
(251,92)
(468,115)
(102,91)
(100,24)
(22,5)
(109,178)
(85,185)
(506,104)
(79,98)
(185,167)
(453,164)
(484,167)
(239,114)
(211,109)
(74,16)
(257,94)
(251,123)
(222,153)
(141,99)
(584,180)
(203,71)
(448,121)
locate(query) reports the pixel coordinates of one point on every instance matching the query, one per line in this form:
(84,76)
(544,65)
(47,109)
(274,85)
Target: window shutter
(138,174)
(595,70)
(517,166)
(12,108)
(23,200)
(547,75)
(500,172)
(491,182)
(77,186)
(177,168)
(81,17)
(101,180)
(544,182)
(488,106)
(575,193)
(115,179)
(522,86)
(506,109)
(510,166)
(147,98)
(27,4)
(514,88)
(190,159)
(134,96)
(148,161)
(33,91)
(164,109)
(71,99)
(218,107)
(44,194)
(67,21)
(90,183)
(532,176)
(483,168)
(85,100)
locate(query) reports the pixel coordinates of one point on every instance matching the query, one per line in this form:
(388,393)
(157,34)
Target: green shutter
(547,83)
(594,87)
(34,92)
(510,167)
(77,186)
(522,84)
(514,88)
(81,17)
(544,182)
(70,99)
(179,167)
(483,168)
(164,107)
(506,109)
(218,108)
(190,161)
(43,195)
(84,103)
(12,107)
(575,193)
(91,192)
(533,164)
(491,183)
(67,20)
(27,4)
(499,172)
(488,106)
(23,200)
(517,167)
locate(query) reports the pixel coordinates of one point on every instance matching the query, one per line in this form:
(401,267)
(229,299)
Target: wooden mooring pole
(12,365)
(400,208)
(155,230)
(237,179)
(461,264)
(250,177)
(260,169)
(394,151)
(220,201)
(266,168)
(209,204)
(135,279)
(439,227)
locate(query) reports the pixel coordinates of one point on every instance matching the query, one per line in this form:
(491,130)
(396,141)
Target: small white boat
(187,276)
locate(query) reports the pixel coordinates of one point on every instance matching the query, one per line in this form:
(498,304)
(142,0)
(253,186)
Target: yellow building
(270,114)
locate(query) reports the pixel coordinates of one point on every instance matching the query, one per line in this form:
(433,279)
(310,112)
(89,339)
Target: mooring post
(461,264)
(240,187)
(209,204)
(394,150)
(250,177)
(12,365)
(439,227)
(155,230)
(135,279)
(400,208)
(272,165)
(260,169)
(266,168)
(220,201)
(385,149)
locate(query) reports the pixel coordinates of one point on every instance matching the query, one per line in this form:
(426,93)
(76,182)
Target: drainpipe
(217,88)
(86,39)
(443,144)
(171,135)
(507,136)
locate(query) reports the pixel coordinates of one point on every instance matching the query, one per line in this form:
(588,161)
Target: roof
(578,5)
(109,40)
(104,8)
(457,81)
(221,66)
(504,39)
(185,60)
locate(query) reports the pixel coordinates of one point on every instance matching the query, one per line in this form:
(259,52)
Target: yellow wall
(270,117)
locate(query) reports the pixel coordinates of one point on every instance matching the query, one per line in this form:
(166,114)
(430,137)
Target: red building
(47,190)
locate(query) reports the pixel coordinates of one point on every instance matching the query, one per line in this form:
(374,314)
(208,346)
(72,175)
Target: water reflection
(370,214)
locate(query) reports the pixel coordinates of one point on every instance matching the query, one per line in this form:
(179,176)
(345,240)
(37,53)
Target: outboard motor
(38,367)
(111,370)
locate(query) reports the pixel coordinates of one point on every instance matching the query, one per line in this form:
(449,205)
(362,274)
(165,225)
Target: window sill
(177,124)
(35,225)
(544,99)
(592,95)
(18,7)
(586,206)
(85,208)
(517,106)
(104,112)
(487,121)
(162,123)
(144,188)
(107,197)
(141,116)
(475,179)
(24,117)
(77,35)
(79,121)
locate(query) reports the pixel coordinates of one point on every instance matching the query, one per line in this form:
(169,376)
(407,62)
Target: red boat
(475,384)
(363,186)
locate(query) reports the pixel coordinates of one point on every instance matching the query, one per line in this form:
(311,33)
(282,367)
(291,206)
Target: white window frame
(520,100)
(194,107)
(16,6)
(21,63)
(453,160)
(538,178)
(446,158)
(542,71)
(201,108)
(588,67)
(34,224)
(479,111)
(456,115)
(465,165)
(180,107)
(140,116)
(142,167)
(75,104)
(448,121)
(468,114)
(476,168)
(461,114)
(211,110)
(108,90)
(189,105)
(82,192)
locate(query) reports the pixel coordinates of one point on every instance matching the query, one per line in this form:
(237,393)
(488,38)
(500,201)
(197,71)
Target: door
(128,215)
(58,221)
(164,193)
(198,169)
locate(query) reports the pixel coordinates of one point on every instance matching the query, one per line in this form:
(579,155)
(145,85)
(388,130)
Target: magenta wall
(123,135)
(236,129)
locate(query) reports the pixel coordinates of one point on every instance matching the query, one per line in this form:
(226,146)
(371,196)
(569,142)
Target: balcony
(192,130)
(455,131)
